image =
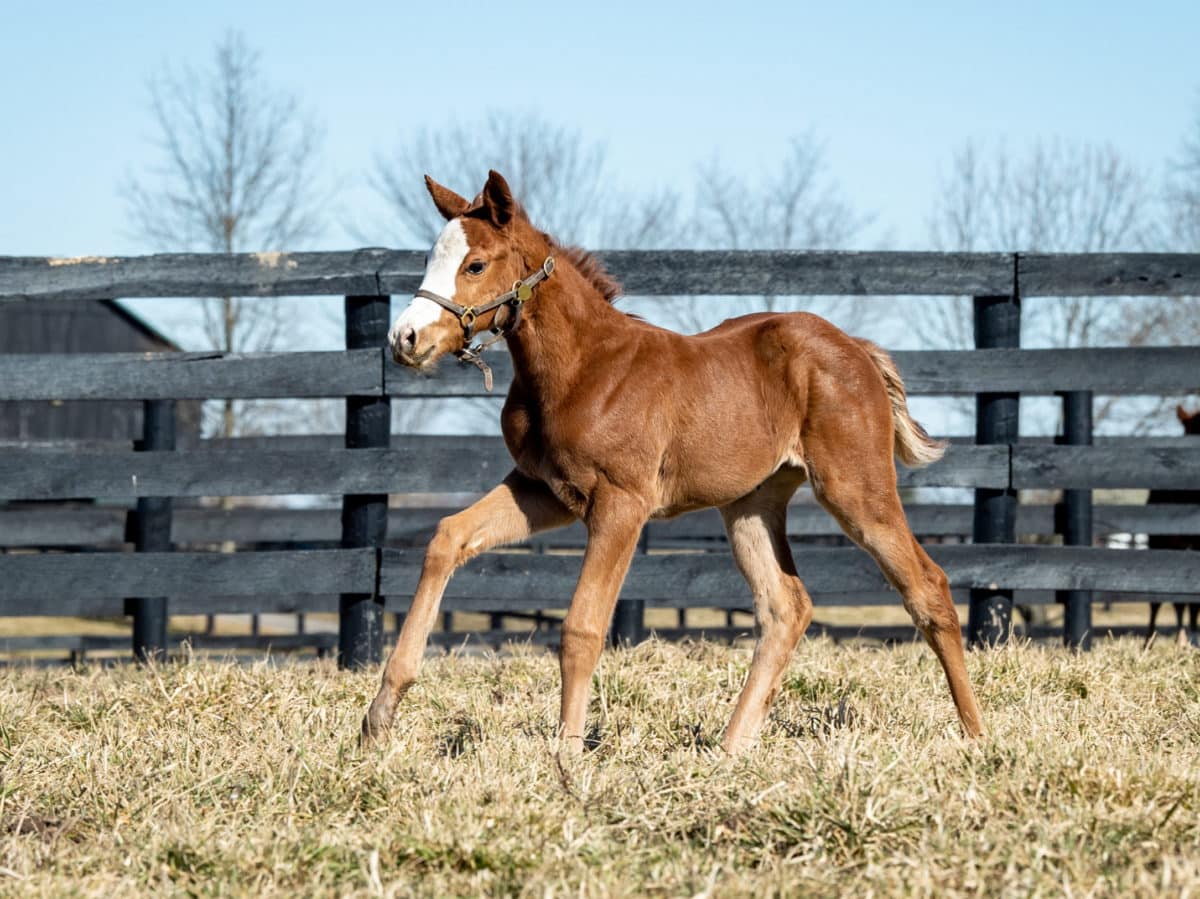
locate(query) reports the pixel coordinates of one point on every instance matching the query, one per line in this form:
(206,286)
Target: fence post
(627,627)
(997,324)
(629,619)
(1077,520)
(364,516)
(152,534)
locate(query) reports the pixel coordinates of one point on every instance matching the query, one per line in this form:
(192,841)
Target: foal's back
(701,420)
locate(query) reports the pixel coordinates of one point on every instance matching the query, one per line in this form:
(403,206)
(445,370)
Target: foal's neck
(564,324)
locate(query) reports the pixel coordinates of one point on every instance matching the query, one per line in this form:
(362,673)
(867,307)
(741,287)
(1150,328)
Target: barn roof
(141,325)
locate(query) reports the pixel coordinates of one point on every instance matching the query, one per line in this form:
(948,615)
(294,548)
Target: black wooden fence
(374,554)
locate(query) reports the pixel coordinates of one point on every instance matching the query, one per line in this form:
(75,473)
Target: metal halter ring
(468,316)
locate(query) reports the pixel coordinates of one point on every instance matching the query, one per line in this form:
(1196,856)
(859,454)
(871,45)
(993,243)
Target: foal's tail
(913,445)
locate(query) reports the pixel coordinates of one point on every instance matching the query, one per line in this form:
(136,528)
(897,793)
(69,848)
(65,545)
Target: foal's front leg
(612,539)
(511,512)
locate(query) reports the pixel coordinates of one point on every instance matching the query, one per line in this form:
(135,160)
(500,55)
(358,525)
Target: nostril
(408,338)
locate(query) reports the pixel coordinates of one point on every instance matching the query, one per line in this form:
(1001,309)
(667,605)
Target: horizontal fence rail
(444,464)
(529,580)
(145,376)
(382,272)
(377,561)
(76,526)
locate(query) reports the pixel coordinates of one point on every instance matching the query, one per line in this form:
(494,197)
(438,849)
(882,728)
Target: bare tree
(562,178)
(1055,197)
(1183,189)
(1182,230)
(1058,197)
(797,205)
(237,172)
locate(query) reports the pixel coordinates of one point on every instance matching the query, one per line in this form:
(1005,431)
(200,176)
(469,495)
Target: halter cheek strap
(468,315)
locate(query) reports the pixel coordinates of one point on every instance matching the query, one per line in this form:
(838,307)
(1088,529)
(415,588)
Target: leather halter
(468,315)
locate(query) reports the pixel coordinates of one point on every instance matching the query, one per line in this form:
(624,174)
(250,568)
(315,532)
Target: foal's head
(1189,420)
(477,257)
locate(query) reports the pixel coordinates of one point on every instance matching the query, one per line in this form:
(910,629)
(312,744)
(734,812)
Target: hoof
(376,725)
(371,736)
(570,747)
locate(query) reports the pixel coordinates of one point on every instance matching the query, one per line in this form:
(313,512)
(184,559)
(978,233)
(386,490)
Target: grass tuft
(208,778)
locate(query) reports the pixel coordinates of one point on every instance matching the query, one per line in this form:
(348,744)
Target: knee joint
(790,610)
(447,549)
(577,643)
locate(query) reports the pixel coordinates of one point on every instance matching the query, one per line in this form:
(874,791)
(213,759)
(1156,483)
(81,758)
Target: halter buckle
(548,266)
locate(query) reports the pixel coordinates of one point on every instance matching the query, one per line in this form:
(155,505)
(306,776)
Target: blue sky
(890,88)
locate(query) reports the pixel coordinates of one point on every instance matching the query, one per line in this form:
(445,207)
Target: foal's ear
(498,200)
(448,203)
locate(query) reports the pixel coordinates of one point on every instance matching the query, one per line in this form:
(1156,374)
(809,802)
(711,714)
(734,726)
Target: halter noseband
(468,315)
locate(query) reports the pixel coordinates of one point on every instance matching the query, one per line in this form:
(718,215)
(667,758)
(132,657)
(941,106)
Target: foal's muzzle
(404,343)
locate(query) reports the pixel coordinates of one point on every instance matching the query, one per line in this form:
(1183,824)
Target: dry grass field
(208,778)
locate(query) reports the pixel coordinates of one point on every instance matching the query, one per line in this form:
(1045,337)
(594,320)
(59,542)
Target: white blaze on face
(441,273)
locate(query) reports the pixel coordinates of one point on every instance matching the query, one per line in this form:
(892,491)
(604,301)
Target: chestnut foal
(615,421)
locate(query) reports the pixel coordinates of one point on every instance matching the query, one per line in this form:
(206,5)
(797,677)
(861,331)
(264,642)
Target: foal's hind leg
(510,512)
(858,487)
(756,525)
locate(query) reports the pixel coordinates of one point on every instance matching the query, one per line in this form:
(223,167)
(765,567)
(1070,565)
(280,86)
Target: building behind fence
(369,556)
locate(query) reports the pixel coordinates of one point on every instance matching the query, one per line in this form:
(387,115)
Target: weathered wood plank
(806,520)
(62,526)
(696,580)
(439,464)
(1105,467)
(337,441)
(413,464)
(645,273)
(352,272)
(117,643)
(1160,518)
(469,594)
(1119,371)
(1108,274)
(784,272)
(40,526)
(153,376)
(50,577)
(368,271)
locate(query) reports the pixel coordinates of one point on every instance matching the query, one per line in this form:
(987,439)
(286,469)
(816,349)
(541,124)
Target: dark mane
(591,269)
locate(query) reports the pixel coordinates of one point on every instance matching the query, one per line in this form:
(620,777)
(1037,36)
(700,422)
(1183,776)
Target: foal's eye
(476,267)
